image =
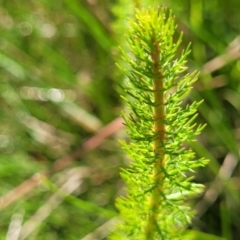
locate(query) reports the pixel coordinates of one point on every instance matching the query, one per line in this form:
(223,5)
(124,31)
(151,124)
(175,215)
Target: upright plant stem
(159,125)
(159,128)
(137,4)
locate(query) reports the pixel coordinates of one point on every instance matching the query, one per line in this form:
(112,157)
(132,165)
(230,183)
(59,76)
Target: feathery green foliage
(158,178)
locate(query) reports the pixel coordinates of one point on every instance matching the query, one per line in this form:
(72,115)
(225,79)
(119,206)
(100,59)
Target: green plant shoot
(158,179)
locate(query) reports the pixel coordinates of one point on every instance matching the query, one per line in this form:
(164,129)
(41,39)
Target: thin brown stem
(159,129)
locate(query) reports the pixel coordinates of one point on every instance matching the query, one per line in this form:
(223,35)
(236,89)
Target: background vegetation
(59,125)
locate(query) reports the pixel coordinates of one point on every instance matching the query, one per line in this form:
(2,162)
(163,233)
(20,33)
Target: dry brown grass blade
(61,163)
(232,53)
(216,187)
(102,231)
(73,180)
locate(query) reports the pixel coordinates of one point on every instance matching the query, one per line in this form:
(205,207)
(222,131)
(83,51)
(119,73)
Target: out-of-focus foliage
(59,86)
(57,90)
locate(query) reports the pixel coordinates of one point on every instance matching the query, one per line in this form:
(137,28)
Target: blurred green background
(59,86)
